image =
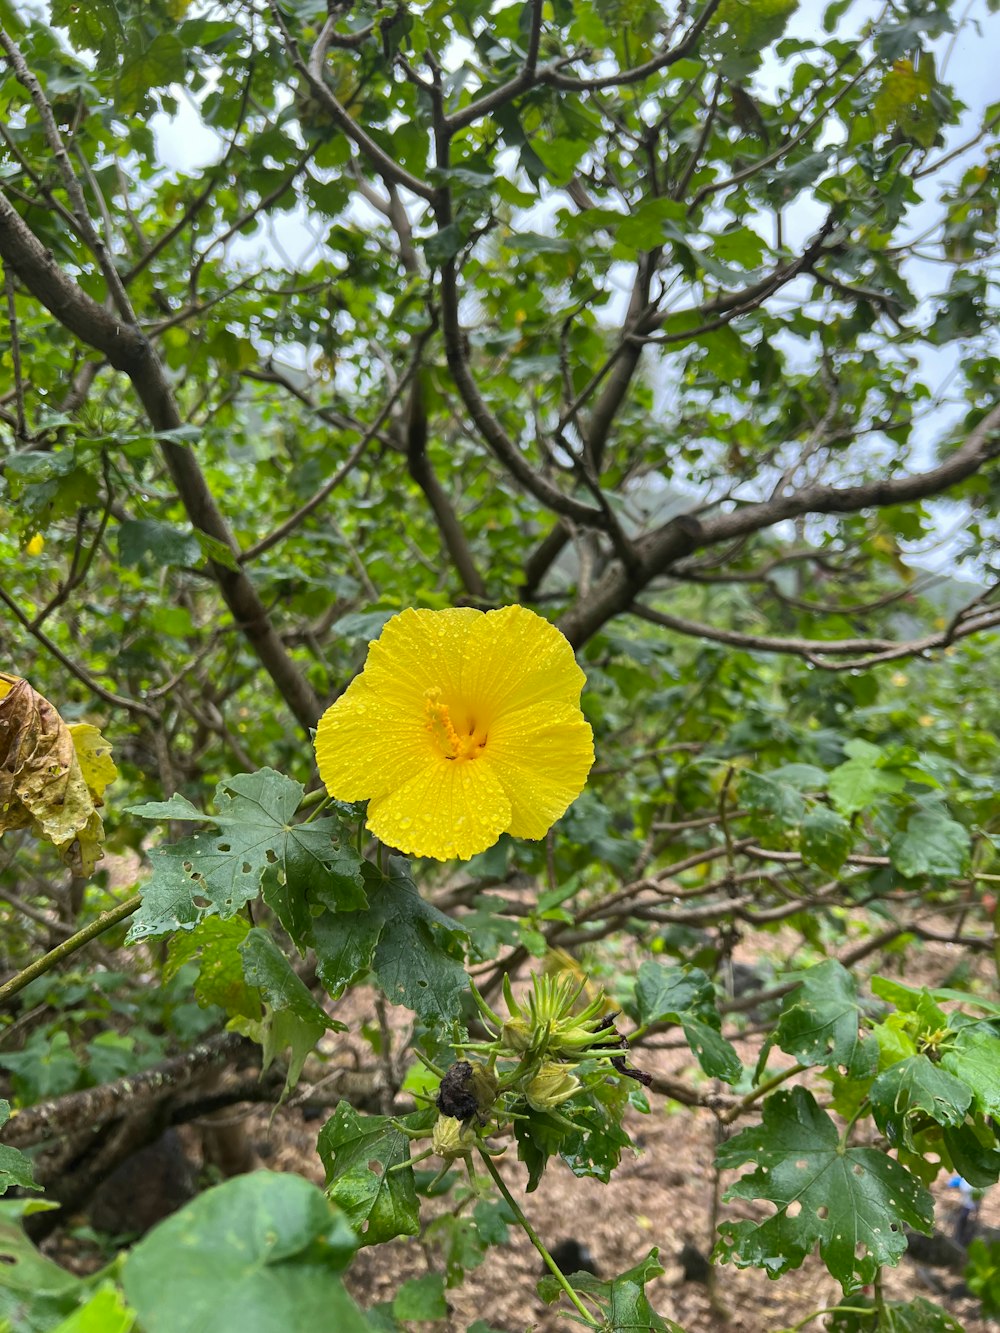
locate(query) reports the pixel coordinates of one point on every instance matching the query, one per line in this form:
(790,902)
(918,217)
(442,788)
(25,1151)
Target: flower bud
(451,1138)
(551,1086)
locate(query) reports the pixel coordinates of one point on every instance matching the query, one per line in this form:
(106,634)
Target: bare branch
(661,549)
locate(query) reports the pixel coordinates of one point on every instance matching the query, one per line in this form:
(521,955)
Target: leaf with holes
(912,1088)
(685,995)
(853,1202)
(820,1022)
(214,946)
(360,1153)
(419,959)
(256,844)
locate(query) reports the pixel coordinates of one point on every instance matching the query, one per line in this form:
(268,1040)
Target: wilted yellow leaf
(94,754)
(42,783)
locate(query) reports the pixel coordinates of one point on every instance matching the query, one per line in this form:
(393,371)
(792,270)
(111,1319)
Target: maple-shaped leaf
(820,1023)
(415,952)
(622,1300)
(685,995)
(853,1202)
(256,844)
(15,1168)
(359,1153)
(913,1087)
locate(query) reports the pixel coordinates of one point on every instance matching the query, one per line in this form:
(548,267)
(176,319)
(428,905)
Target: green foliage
(852,1202)
(622,1301)
(688,339)
(257,846)
(261,1253)
(982,1276)
(687,996)
(917,1316)
(820,1023)
(15,1169)
(360,1153)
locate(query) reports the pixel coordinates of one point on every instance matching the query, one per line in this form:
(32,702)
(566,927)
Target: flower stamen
(447,739)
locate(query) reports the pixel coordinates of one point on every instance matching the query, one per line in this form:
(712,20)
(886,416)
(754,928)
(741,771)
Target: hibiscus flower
(462,726)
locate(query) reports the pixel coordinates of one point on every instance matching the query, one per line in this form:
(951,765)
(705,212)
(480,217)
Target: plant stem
(68,947)
(535,1239)
(760,1091)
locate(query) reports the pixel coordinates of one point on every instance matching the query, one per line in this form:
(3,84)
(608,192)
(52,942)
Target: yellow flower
(462,726)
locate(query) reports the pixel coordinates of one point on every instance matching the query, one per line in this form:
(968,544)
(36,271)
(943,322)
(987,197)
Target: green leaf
(826,839)
(105,1312)
(256,843)
(974,1152)
(417,956)
(931,844)
(214,946)
(345,944)
(853,1202)
(754,24)
(293,1018)
(916,1000)
(913,1087)
(422,1299)
(820,1022)
(623,1299)
(776,805)
(96,26)
(164,545)
(973,1055)
(379,1203)
(31,1282)
(856,784)
(257,1254)
(685,995)
(917,1316)
(154,65)
(15,1168)
(267,968)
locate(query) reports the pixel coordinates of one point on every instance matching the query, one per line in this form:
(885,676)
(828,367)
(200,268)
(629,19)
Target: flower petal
(515,659)
(541,756)
(418,651)
(367,745)
(450,808)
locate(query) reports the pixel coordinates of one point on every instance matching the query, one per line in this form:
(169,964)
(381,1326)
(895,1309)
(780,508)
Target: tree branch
(681,536)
